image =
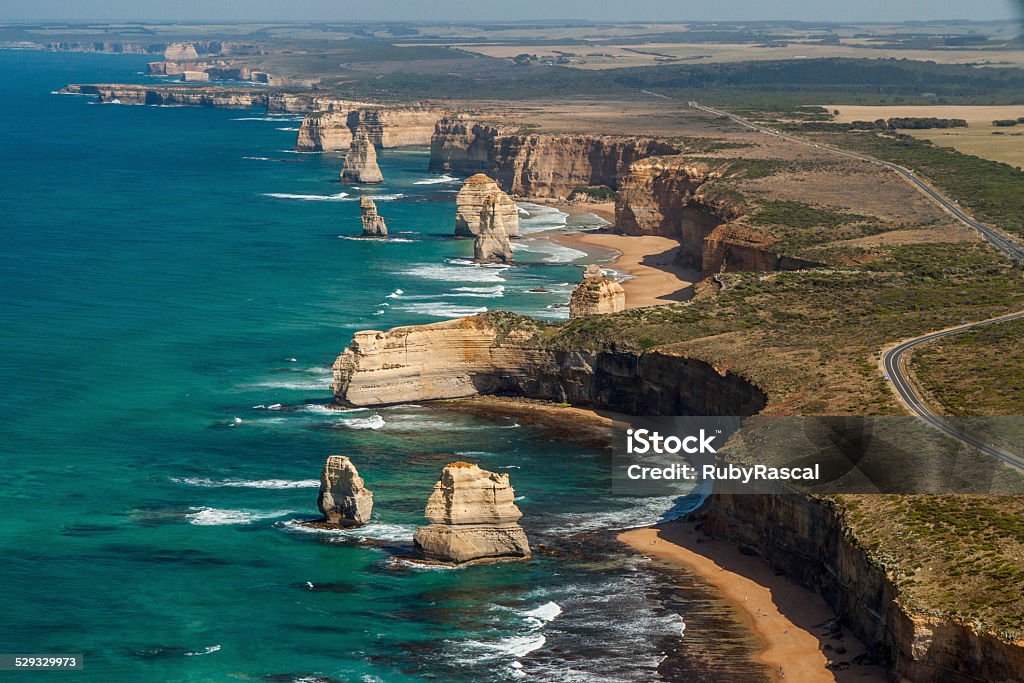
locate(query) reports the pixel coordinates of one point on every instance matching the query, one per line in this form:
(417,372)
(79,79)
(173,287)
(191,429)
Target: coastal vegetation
(977,372)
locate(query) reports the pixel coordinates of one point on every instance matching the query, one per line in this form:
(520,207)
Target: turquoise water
(176,284)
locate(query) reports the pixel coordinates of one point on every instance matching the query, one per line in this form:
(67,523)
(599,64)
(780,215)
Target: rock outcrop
(473,516)
(538,165)
(344,499)
(506,354)
(596,294)
(195,76)
(361,162)
(373,223)
(470,204)
(491,244)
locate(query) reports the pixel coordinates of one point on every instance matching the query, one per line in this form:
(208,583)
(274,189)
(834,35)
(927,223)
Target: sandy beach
(793,624)
(648,261)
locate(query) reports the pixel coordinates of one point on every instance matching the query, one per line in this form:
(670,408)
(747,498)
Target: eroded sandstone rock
(361,162)
(344,500)
(473,516)
(470,204)
(373,223)
(596,294)
(179,51)
(325,132)
(491,244)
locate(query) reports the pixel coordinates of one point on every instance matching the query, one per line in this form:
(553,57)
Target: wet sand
(794,625)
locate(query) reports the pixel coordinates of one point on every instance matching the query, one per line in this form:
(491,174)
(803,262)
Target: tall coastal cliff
(505,354)
(183,96)
(808,539)
(332,130)
(674,196)
(534,164)
(228,97)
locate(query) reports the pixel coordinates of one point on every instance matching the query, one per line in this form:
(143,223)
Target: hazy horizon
(524,10)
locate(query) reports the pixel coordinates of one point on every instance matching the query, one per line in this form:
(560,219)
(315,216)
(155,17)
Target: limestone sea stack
(470,202)
(344,500)
(491,244)
(596,294)
(361,162)
(373,223)
(472,516)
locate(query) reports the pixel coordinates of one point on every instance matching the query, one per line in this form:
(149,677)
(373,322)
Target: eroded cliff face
(673,196)
(396,127)
(326,131)
(537,165)
(228,98)
(809,540)
(469,205)
(503,354)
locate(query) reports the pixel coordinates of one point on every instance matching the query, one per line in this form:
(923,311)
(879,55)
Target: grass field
(980,138)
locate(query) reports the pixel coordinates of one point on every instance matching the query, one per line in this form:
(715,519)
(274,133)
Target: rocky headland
(373,223)
(361,162)
(472,517)
(344,499)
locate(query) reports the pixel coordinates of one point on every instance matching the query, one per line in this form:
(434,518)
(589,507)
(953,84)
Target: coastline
(648,261)
(797,631)
(793,624)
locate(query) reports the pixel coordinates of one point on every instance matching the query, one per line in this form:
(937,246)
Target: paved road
(1009,247)
(892,359)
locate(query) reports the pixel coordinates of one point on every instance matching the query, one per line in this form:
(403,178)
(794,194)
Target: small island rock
(470,202)
(373,223)
(361,162)
(344,500)
(472,516)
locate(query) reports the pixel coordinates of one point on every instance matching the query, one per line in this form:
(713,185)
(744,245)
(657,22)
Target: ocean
(176,284)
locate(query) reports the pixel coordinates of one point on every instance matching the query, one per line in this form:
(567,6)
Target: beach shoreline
(799,633)
(648,262)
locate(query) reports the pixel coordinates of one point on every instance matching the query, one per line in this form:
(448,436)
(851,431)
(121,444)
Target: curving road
(892,359)
(996,239)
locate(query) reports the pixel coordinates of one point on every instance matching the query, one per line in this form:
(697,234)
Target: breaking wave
(207,516)
(437,181)
(341,196)
(247,483)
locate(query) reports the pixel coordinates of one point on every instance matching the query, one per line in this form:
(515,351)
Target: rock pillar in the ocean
(596,294)
(361,162)
(473,516)
(344,500)
(470,202)
(491,244)
(373,223)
